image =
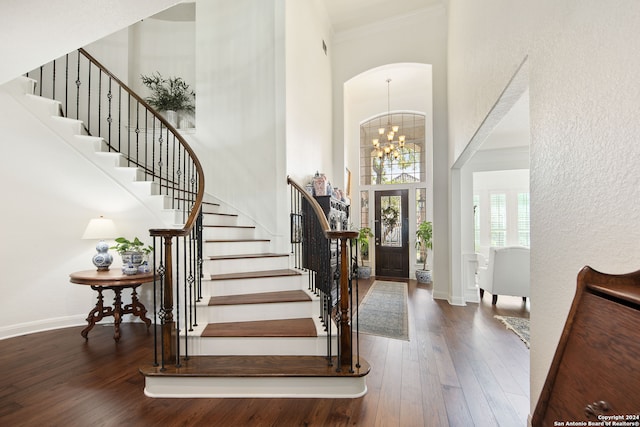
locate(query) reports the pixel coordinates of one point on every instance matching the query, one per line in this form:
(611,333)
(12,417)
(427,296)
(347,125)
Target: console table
(116,281)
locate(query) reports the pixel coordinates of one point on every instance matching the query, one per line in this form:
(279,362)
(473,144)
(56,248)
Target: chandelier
(389,147)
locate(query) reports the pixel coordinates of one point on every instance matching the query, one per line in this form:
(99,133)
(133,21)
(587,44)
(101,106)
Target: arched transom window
(392,149)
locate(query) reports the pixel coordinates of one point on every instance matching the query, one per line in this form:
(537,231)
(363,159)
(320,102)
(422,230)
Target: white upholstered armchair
(506,273)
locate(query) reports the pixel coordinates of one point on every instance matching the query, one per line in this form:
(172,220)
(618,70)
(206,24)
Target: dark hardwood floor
(461,367)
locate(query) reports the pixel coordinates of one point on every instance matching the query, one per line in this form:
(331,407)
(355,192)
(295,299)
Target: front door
(392,233)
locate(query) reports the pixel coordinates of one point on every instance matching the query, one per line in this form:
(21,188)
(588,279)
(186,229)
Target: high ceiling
(345,15)
(348,14)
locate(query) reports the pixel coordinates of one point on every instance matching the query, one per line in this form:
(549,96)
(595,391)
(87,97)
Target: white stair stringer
(93,149)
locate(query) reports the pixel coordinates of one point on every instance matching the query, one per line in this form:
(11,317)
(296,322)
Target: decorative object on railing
(109,109)
(326,254)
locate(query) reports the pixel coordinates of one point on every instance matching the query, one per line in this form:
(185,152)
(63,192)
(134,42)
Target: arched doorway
(370,104)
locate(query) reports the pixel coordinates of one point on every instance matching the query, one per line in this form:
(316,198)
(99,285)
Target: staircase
(257,324)
(95,149)
(259,331)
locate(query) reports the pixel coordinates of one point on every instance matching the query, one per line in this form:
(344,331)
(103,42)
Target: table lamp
(101,229)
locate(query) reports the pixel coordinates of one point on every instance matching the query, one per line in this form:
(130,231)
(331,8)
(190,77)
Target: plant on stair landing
(364,233)
(169,94)
(134,253)
(424,235)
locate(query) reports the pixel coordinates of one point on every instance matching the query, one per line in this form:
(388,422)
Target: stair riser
(244,265)
(110,160)
(42,107)
(273,346)
(229,233)
(220,219)
(250,312)
(249,286)
(258,387)
(20,86)
(235,248)
(65,127)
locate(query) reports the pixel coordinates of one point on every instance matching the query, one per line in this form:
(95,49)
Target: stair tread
(248,256)
(261,298)
(256,366)
(255,274)
(302,327)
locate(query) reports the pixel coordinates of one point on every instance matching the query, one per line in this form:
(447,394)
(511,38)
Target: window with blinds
(498,225)
(523,219)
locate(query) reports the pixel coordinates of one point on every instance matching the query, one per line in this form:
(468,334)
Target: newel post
(346,356)
(168,324)
(345,321)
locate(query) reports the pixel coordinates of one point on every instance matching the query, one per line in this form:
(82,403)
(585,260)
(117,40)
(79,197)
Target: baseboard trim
(27,328)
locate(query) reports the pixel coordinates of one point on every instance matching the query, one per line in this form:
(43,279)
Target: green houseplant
(169,94)
(424,236)
(133,252)
(364,233)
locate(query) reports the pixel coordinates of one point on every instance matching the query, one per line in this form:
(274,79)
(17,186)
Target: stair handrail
(324,223)
(344,239)
(193,215)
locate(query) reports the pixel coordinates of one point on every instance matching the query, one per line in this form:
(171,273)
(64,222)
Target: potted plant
(424,235)
(133,252)
(170,96)
(364,233)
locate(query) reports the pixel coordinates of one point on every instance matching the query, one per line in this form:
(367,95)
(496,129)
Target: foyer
(461,367)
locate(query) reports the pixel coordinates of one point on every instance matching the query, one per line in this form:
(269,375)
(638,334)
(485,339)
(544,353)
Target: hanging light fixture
(389,147)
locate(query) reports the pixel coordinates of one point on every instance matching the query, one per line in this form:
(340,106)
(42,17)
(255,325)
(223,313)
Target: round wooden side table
(116,281)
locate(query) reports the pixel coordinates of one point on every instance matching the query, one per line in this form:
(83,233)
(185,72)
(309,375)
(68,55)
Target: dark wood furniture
(116,281)
(595,372)
(336,211)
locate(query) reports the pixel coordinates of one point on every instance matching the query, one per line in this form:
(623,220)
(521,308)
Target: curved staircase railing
(327,254)
(127,124)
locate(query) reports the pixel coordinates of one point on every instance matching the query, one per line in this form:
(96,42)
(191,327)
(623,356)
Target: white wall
(308,90)
(418,38)
(584,89)
(51,194)
(35,32)
(240,106)
(167,47)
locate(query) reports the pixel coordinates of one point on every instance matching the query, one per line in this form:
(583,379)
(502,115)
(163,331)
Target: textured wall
(584,95)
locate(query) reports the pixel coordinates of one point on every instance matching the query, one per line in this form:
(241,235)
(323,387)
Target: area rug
(519,325)
(384,311)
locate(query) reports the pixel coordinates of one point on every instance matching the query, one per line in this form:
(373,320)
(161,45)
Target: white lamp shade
(100,229)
